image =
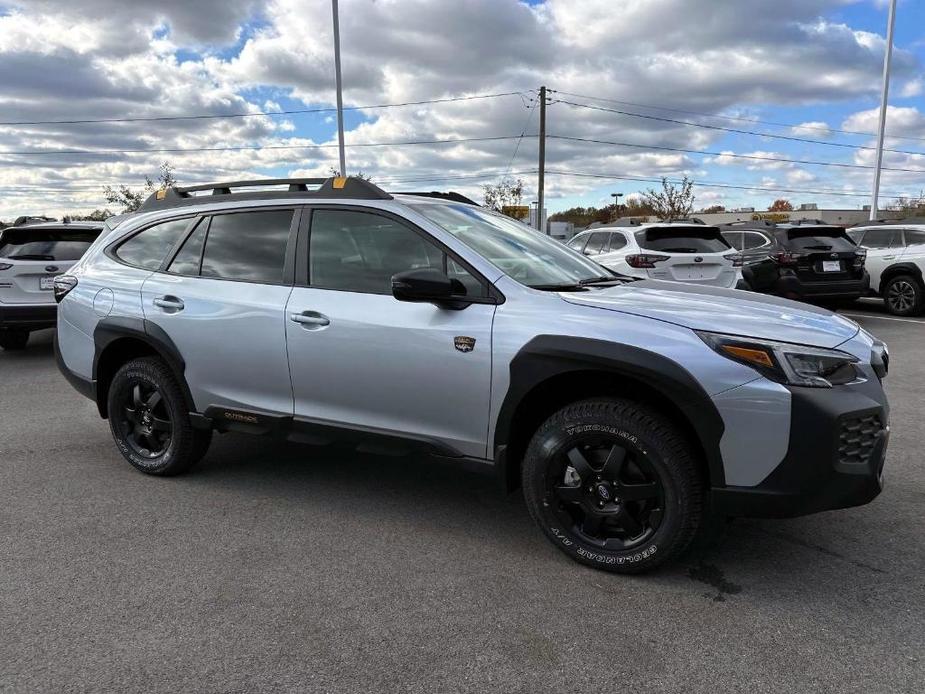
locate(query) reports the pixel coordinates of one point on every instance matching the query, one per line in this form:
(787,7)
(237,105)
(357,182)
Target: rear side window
(883,238)
(45,244)
(617,241)
(149,247)
(189,259)
(752,239)
(734,239)
(821,239)
(915,237)
(692,239)
(248,246)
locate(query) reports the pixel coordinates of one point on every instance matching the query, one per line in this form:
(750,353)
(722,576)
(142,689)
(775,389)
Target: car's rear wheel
(614,485)
(13,339)
(904,295)
(150,420)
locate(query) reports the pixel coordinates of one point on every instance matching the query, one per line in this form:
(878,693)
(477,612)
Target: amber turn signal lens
(755,356)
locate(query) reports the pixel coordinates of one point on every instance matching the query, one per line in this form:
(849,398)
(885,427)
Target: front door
(361,359)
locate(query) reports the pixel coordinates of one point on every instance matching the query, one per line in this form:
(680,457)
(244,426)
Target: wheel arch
(118,340)
(900,269)
(553,371)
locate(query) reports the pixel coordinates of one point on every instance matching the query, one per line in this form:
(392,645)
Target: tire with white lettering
(150,420)
(614,484)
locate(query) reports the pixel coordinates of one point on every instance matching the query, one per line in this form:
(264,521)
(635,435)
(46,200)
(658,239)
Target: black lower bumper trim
(84,386)
(28,317)
(838,442)
(795,287)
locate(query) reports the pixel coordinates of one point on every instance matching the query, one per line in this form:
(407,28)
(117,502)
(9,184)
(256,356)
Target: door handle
(889,257)
(311,320)
(169,303)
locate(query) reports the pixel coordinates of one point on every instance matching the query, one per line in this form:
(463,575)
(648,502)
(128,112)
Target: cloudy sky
(642,89)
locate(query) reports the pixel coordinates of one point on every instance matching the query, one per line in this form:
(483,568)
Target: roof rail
(808,222)
(449,195)
(339,187)
(875,222)
(749,224)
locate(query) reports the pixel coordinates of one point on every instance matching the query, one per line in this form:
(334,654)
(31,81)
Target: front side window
(189,258)
(149,247)
(597,243)
(248,246)
(522,253)
(46,244)
(361,251)
(578,242)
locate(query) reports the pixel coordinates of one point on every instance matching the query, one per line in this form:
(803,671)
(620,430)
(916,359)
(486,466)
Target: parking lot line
(872,315)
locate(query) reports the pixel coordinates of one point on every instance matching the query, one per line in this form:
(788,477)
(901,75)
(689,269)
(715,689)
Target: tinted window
(693,239)
(45,244)
(883,238)
(820,239)
(148,248)
(617,241)
(855,235)
(596,243)
(915,237)
(734,239)
(578,242)
(752,239)
(247,246)
(189,258)
(360,251)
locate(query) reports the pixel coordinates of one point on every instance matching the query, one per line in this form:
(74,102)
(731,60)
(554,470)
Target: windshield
(693,239)
(45,244)
(522,253)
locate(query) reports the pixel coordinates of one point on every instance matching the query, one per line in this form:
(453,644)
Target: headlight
(796,365)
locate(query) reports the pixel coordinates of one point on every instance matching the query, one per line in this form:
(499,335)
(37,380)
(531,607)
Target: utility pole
(340,98)
(542,169)
(891,20)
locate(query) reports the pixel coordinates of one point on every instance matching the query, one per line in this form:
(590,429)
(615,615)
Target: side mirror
(425,285)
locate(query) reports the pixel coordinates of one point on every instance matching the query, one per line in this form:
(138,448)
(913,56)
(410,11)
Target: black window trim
(303,245)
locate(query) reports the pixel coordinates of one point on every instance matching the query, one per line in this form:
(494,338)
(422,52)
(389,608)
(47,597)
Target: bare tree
(130,200)
(507,192)
(909,206)
(672,201)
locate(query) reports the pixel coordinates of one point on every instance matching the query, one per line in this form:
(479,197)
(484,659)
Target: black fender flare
(899,269)
(110,330)
(547,356)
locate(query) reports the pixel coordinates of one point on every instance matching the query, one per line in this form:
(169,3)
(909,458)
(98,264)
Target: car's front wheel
(11,339)
(904,296)
(150,420)
(614,485)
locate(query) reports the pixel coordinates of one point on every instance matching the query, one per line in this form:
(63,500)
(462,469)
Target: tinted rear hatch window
(46,244)
(819,239)
(692,239)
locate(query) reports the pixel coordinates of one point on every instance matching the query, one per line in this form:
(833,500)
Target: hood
(729,311)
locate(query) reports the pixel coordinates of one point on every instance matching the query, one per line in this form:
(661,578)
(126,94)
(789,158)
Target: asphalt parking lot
(277,567)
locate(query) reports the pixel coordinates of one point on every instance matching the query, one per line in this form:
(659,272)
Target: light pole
(616,204)
(340,98)
(891,20)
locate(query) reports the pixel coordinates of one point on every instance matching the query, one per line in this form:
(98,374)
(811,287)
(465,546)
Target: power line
(740,119)
(730,154)
(707,184)
(791,138)
(239,148)
(287,112)
(523,132)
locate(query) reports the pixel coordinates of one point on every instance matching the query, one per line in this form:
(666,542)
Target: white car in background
(675,251)
(896,262)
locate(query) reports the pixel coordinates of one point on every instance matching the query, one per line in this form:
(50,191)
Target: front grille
(857,438)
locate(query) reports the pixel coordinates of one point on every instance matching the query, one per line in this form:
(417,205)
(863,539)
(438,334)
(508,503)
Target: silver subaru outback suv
(331,310)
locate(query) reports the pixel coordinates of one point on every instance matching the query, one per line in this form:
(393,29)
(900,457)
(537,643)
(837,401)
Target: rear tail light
(63,285)
(645,260)
(5,266)
(737,259)
(860,258)
(788,258)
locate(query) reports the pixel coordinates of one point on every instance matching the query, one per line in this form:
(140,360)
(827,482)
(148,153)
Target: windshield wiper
(603,279)
(558,287)
(820,247)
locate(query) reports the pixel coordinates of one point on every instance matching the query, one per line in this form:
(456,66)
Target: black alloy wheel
(608,493)
(145,420)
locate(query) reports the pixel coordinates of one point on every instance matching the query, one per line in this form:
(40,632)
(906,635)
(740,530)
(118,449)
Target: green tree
(673,201)
(781,205)
(507,192)
(131,199)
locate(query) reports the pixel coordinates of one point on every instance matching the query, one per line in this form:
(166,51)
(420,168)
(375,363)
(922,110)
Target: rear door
(884,248)
(695,253)
(30,258)
(221,298)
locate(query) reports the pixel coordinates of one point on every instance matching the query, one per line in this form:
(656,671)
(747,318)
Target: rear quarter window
(692,239)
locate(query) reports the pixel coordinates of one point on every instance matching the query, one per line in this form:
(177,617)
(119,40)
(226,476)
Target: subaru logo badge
(698,259)
(51,268)
(833,255)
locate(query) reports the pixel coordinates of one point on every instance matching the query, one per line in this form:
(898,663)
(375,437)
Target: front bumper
(28,316)
(792,287)
(837,447)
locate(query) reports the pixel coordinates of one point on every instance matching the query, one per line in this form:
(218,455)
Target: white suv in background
(31,256)
(895,261)
(676,251)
